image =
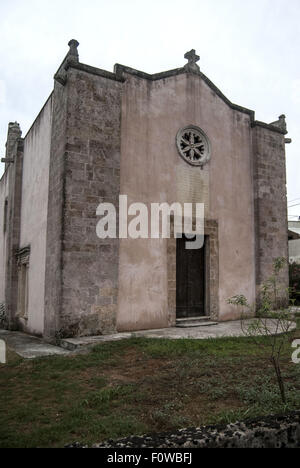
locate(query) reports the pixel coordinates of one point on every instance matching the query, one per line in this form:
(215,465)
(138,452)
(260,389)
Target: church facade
(171,137)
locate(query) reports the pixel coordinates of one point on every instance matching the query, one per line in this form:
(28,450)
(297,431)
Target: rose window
(193,146)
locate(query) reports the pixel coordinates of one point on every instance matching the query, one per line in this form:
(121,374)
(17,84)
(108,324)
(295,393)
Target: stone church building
(168,137)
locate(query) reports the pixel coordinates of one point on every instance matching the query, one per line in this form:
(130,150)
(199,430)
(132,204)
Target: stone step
(202,318)
(192,322)
(202,323)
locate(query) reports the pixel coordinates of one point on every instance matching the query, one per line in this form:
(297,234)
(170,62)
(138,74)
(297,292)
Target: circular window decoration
(193,145)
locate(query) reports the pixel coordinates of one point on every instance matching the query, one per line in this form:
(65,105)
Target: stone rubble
(281,431)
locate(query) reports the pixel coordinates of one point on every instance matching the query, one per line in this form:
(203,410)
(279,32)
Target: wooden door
(190,281)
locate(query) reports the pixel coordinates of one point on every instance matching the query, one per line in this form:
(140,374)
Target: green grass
(139,385)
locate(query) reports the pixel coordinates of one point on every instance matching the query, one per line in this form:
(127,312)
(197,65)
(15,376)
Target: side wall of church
(34,209)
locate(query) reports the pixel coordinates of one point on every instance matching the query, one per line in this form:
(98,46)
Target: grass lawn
(137,386)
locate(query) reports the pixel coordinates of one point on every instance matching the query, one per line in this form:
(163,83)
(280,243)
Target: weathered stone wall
(90,264)
(34,208)
(271,226)
(13,190)
(54,239)
(4,190)
(9,225)
(89,156)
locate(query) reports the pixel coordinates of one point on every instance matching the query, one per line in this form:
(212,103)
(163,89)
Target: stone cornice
(93,71)
(271,127)
(120,71)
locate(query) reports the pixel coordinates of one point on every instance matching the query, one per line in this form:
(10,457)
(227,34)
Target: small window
(5,215)
(23,275)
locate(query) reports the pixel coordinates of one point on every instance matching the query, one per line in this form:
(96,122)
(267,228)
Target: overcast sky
(249,49)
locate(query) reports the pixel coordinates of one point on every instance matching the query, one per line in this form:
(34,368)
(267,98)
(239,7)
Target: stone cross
(192,58)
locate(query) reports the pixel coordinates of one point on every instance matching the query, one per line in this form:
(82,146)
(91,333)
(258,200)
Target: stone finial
(281,123)
(14,125)
(192,58)
(72,57)
(14,130)
(13,135)
(282,118)
(73,52)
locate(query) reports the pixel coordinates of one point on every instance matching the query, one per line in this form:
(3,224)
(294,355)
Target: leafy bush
(266,318)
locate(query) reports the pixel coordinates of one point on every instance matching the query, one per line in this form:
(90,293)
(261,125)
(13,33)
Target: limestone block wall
(10,190)
(270,204)
(54,237)
(82,298)
(90,264)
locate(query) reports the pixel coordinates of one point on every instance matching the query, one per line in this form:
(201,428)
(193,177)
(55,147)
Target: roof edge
(120,69)
(72,61)
(271,127)
(93,71)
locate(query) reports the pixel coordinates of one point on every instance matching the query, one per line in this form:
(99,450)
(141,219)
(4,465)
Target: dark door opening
(190,281)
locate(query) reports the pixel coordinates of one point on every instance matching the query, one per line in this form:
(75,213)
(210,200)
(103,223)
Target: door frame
(211,270)
(204,259)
